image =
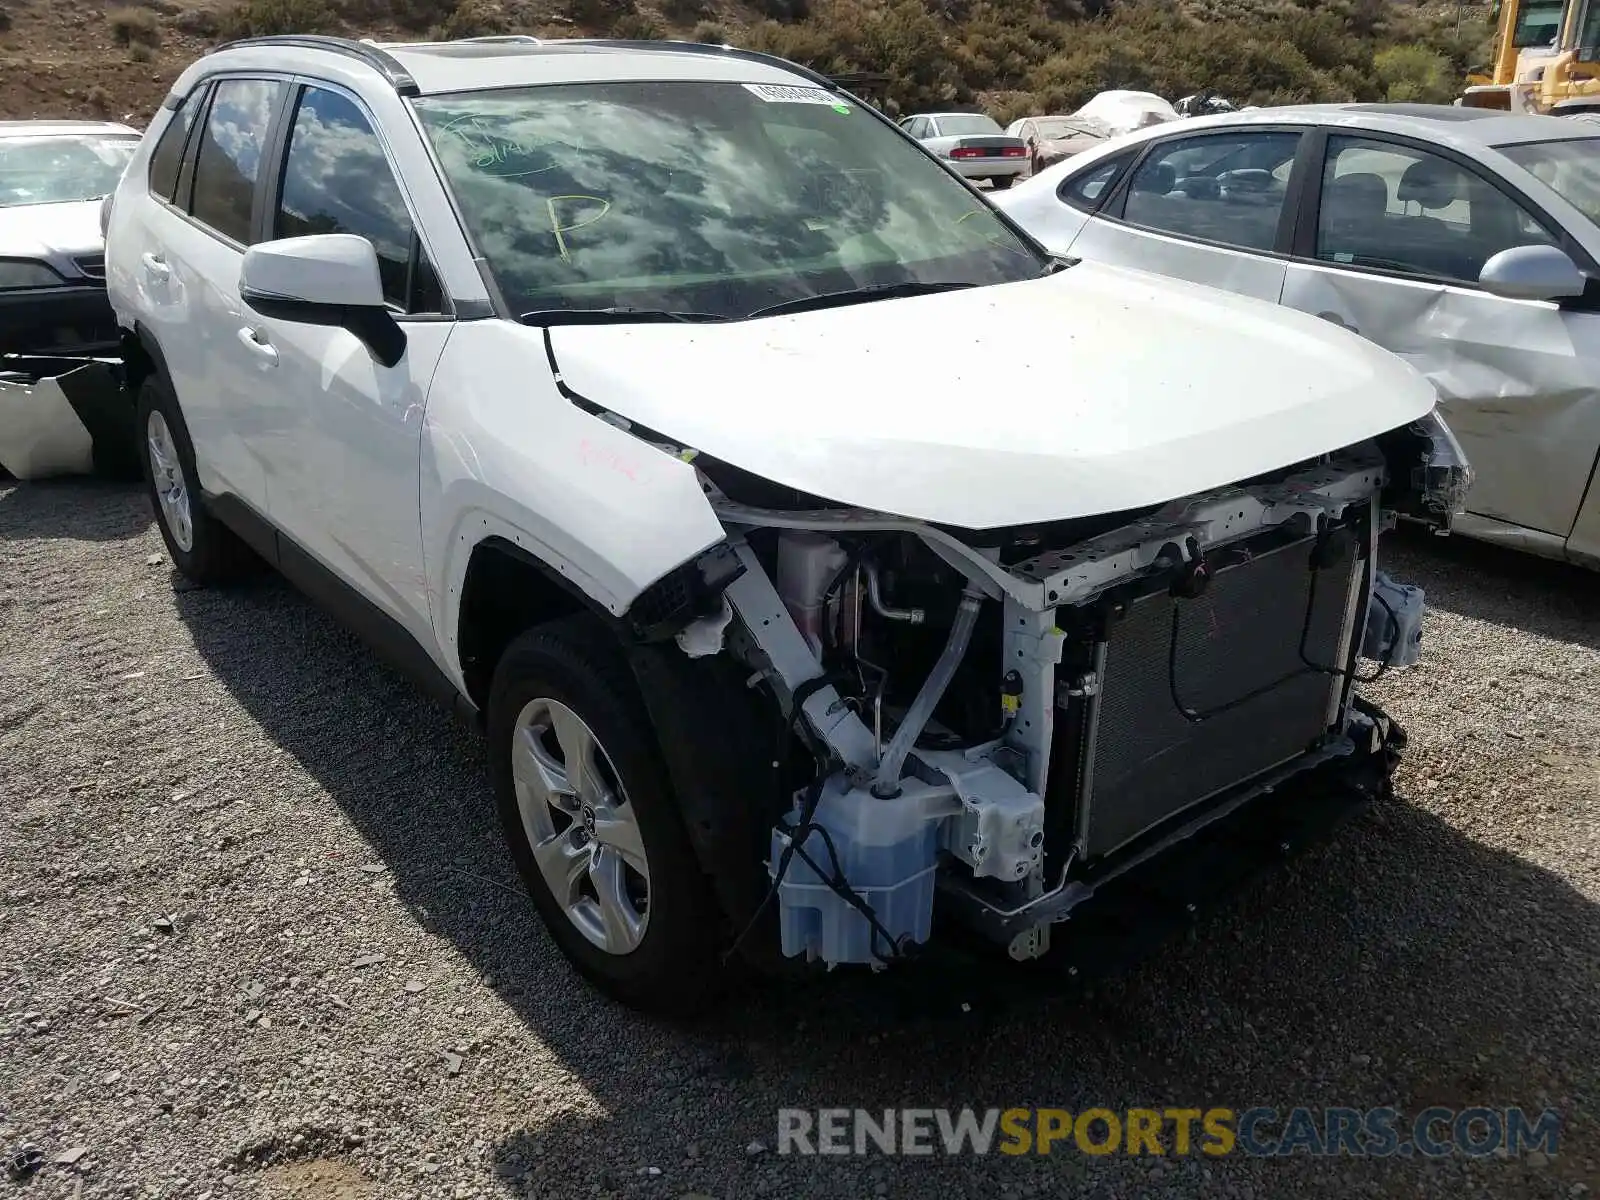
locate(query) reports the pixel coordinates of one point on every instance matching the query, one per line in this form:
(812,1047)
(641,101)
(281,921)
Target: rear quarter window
(167,157)
(1088,189)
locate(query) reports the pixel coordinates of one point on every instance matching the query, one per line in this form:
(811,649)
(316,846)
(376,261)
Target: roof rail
(526,39)
(374,56)
(722,51)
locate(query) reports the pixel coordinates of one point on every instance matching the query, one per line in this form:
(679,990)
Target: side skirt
(385,636)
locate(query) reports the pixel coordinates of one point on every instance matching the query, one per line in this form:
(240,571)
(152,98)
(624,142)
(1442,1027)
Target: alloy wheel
(171,487)
(580,825)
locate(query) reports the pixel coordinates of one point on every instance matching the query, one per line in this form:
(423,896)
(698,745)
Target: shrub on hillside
(415,16)
(637,26)
(599,14)
(1005,41)
(685,11)
(134,27)
(475,18)
(898,37)
(782,10)
(259,18)
(198,22)
(1414,73)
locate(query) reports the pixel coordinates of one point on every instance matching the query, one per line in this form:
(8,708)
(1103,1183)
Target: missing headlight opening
(999,724)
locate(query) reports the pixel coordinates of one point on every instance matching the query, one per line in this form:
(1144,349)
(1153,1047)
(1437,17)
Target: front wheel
(590,819)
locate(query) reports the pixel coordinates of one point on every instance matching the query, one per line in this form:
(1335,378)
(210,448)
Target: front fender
(505,455)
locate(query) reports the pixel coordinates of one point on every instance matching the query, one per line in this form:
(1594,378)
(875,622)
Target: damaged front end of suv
(945,729)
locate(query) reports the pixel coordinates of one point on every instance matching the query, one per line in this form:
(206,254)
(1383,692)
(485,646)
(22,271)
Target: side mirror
(1532,273)
(323,279)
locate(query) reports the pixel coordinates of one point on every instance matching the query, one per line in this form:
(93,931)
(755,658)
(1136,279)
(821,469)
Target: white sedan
(1465,240)
(971,144)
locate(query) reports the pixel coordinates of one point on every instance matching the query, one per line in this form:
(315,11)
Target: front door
(344,475)
(1401,235)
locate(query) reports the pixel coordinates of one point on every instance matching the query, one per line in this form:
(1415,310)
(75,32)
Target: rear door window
(167,157)
(1088,189)
(1228,189)
(228,162)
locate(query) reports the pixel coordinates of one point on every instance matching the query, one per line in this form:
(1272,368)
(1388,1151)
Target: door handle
(155,266)
(265,351)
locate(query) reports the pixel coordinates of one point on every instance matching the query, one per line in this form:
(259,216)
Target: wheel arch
(142,357)
(506,590)
(714,734)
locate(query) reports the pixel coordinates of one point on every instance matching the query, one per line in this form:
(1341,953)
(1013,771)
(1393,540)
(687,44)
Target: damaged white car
(640,400)
(1465,240)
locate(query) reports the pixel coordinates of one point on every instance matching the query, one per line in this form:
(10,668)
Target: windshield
(952,124)
(711,198)
(1538,23)
(1570,169)
(1068,127)
(51,170)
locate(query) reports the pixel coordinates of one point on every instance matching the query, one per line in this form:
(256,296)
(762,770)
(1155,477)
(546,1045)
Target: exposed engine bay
(994,724)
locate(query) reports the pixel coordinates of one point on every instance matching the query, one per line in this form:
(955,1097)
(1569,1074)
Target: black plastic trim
(387,638)
(379,60)
(376,327)
(31,318)
(717,751)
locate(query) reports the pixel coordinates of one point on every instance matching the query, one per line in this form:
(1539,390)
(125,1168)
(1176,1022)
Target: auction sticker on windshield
(782,93)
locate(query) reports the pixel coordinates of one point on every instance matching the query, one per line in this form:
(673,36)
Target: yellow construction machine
(1546,59)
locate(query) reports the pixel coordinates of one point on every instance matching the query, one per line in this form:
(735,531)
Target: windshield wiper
(613,316)
(879,291)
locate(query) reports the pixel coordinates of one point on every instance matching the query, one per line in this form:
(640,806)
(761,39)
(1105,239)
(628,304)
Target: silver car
(972,145)
(53,175)
(1465,240)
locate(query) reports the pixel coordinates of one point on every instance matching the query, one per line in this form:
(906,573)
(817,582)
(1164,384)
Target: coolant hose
(887,780)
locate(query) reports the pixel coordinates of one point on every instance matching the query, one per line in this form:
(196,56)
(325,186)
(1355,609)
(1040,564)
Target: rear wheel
(201,547)
(590,819)
(1001,182)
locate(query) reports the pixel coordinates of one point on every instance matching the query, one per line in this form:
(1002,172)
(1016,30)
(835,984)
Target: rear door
(1214,208)
(1395,237)
(195,242)
(151,219)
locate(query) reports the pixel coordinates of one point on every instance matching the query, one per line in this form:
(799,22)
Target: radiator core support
(1163,674)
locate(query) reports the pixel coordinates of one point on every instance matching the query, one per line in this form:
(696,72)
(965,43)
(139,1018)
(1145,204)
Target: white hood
(49,230)
(1091,391)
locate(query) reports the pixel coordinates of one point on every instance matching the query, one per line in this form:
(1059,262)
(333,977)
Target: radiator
(1237,664)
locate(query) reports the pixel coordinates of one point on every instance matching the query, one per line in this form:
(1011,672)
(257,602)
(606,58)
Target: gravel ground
(258,936)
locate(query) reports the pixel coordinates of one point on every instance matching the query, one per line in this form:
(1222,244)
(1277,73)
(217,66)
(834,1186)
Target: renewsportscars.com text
(1215,1132)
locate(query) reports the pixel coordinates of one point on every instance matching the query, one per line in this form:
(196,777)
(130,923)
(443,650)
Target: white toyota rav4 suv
(638,398)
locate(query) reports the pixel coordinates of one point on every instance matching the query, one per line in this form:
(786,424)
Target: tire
(1001,182)
(653,948)
(201,547)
